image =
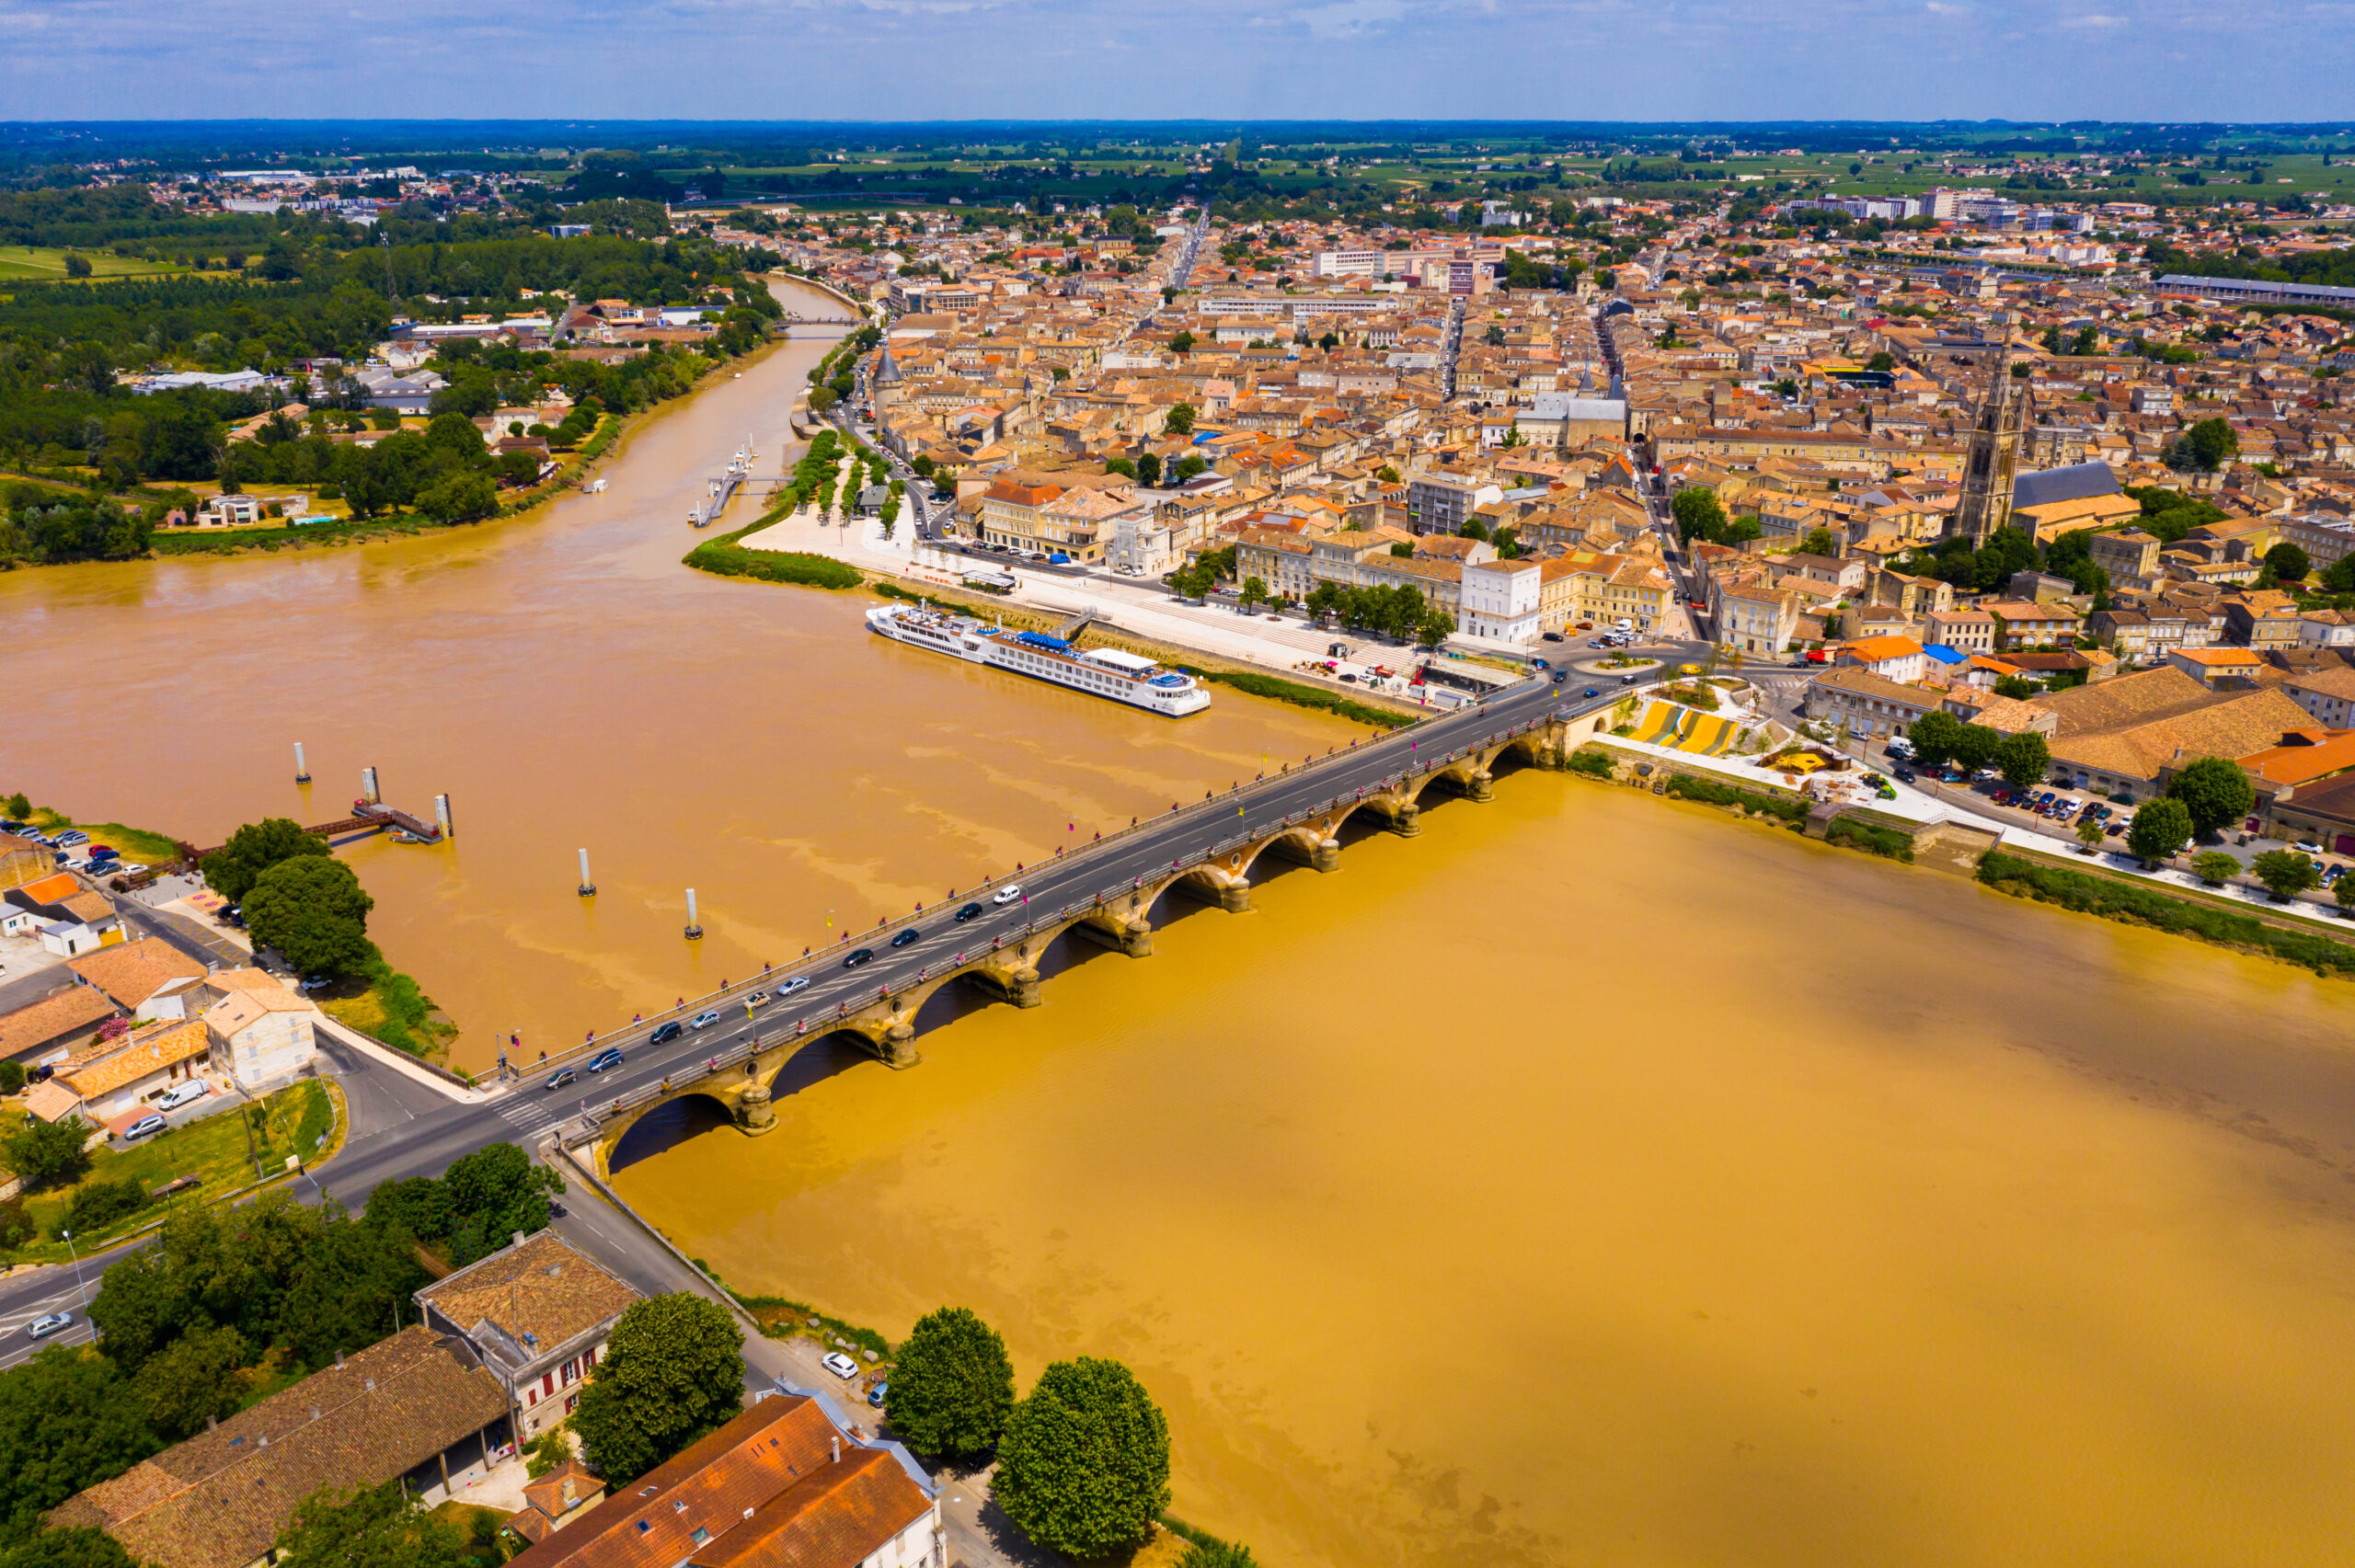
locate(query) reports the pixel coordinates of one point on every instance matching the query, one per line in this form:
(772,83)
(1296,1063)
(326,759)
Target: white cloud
(2094,21)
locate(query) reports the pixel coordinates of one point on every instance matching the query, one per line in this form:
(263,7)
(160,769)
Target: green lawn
(47,264)
(136,843)
(216,1151)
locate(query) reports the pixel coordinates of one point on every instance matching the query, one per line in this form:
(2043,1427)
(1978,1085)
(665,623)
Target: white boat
(1104,672)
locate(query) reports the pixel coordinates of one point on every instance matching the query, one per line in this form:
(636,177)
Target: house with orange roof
(1891,656)
(131,972)
(122,1077)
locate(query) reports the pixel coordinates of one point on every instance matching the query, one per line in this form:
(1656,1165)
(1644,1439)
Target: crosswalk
(536,1113)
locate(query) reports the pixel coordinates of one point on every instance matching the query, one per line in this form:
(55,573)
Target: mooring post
(302,771)
(587,887)
(368,791)
(694,931)
(441,817)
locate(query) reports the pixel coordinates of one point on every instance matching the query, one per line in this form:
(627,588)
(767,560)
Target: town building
(536,1315)
(786,1484)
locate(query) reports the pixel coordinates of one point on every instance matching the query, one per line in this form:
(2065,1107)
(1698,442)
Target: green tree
(1934,736)
(315,912)
(1217,1554)
(197,1375)
(1181,419)
(1182,343)
(1255,593)
(2214,867)
(1974,747)
(1149,468)
(494,1193)
(2089,834)
(1884,361)
(78,266)
(2289,563)
(2285,873)
(1821,541)
(66,1421)
(1434,627)
(1191,464)
(2022,759)
(2161,828)
(951,1387)
(78,1548)
(373,1528)
(1083,1467)
(2214,791)
(672,1372)
(12,1077)
(2345,893)
(459,498)
(44,1154)
(19,807)
(1696,511)
(2211,443)
(1122,466)
(234,868)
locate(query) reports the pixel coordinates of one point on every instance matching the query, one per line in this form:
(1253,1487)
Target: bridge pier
(899,1045)
(1407,821)
(754,1114)
(1133,937)
(1480,786)
(1018,986)
(1323,854)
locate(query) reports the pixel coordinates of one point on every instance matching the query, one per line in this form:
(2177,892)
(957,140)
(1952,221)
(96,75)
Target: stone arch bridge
(1119,915)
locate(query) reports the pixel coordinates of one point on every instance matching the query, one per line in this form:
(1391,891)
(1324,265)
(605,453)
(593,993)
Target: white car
(49,1323)
(841,1366)
(1006,895)
(187,1093)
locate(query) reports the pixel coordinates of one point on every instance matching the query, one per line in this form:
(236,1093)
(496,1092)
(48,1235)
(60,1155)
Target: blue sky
(902,60)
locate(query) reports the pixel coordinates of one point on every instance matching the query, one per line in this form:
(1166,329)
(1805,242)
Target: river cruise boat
(1099,671)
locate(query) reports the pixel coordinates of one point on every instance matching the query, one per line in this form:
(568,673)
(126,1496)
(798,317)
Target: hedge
(1591,761)
(1886,842)
(1708,793)
(1302,696)
(2162,911)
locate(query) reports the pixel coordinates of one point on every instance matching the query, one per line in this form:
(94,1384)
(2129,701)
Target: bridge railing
(823,958)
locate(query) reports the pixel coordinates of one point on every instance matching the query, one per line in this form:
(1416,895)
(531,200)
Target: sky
(925,60)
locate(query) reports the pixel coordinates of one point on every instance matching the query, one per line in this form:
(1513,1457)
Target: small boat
(403,836)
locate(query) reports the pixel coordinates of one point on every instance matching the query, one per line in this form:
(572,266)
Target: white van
(187,1093)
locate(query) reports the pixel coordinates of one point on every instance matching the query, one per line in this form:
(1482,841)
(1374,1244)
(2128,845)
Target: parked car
(49,1323)
(841,1366)
(911,935)
(667,1033)
(187,1093)
(858,956)
(561,1077)
(968,911)
(788,987)
(145,1127)
(1006,894)
(611,1057)
(2305,846)
(705,1019)
(1553,636)
(879,1394)
(102,854)
(73,838)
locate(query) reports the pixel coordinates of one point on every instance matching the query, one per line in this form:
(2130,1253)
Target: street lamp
(76,1253)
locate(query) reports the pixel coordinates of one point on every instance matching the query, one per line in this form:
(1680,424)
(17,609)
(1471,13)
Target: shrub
(97,1205)
(12,1077)
(1591,761)
(1708,792)
(1870,838)
(2147,906)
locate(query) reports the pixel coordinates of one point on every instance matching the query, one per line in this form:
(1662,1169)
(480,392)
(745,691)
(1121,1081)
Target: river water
(1593,1179)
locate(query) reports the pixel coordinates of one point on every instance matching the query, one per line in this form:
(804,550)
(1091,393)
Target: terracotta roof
(2304,756)
(541,1287)
(2136,724)
(135,971)
(59,1015)
(765,1491)
(53,889)
(107,1066)
(219,1500)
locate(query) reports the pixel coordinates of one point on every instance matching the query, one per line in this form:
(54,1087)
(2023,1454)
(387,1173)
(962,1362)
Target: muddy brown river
(1591,1179)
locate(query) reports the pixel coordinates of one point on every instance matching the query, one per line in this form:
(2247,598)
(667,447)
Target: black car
(968,911)
(911,935)
(862,955)
(666,1033)
(561,1077)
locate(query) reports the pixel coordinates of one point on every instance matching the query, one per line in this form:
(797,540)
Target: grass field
(32,264)
(215,1151)
(136,843)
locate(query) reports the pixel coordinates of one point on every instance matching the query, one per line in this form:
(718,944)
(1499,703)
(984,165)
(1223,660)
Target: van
(187,1093)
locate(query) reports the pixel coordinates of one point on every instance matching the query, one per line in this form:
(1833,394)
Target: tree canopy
(313,910)
(952,1387)
(1083,1467)
(234,868)
(672,1371)
(2161,828)
(2214,791)
(66,1421)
